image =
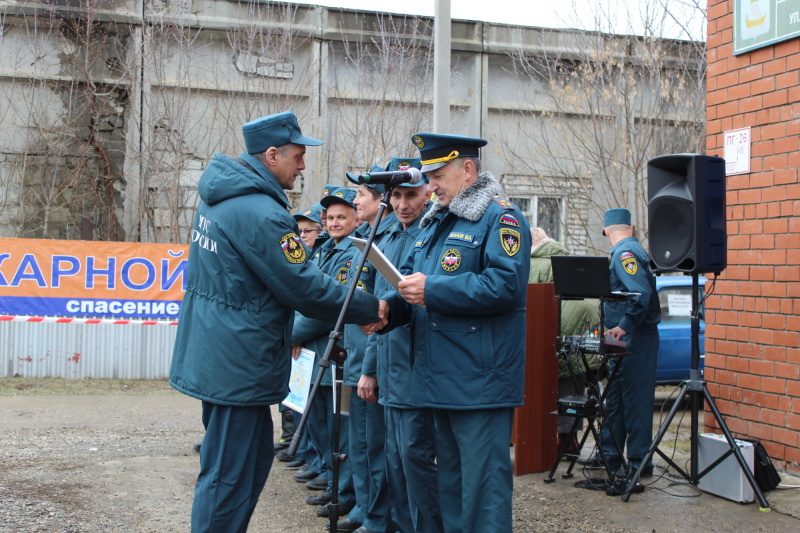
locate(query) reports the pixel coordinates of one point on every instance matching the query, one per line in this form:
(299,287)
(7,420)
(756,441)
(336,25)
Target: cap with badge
(436,150)
(618,215)
(274,130)
(336,194)
(312,213)
(377,187)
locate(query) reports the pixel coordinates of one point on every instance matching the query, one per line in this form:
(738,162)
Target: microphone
(412,175)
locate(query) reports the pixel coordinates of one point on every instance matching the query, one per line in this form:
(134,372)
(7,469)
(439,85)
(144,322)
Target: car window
(676,305)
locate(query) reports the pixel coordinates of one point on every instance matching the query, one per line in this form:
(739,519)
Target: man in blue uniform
(464,294)
(366,421)
(631,394)
(313,334)
(386,371)
(247,272)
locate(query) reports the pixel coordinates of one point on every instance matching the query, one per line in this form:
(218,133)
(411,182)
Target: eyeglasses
(304,231)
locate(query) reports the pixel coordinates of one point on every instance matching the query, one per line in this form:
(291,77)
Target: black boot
(287,430)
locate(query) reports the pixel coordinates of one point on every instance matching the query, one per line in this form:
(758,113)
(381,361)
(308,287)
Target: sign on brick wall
(737,151)
(759,23)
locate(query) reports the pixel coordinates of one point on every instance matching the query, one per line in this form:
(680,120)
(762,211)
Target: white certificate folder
(380,261)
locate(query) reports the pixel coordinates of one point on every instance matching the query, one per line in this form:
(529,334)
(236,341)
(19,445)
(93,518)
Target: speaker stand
(696,388)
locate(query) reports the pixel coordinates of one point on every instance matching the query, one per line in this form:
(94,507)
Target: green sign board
(759,23)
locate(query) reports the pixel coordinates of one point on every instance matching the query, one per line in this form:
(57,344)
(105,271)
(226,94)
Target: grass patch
(18,386)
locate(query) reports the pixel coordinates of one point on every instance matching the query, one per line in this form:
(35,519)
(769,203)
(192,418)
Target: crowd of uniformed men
(436,363)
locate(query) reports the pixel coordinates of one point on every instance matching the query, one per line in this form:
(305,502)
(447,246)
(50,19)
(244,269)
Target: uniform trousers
(367,447)
(235,459)
(411,470)
(474,467)
(630,401)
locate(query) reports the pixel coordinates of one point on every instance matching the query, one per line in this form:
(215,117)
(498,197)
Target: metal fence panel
(75,350)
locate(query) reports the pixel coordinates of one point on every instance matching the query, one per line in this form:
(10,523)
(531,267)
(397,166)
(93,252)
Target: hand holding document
(300,381)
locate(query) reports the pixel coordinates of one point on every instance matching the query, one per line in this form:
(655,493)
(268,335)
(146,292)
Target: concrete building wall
(173,80)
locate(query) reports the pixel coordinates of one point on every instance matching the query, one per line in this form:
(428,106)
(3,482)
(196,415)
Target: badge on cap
(509,239)
(451,260)
(293,248)
(418,141)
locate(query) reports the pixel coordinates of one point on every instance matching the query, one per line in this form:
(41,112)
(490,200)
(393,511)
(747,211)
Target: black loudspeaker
(686,213)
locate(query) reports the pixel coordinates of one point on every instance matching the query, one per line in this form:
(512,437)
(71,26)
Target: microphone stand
(338,358)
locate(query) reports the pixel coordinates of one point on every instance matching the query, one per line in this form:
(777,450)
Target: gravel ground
(113,456)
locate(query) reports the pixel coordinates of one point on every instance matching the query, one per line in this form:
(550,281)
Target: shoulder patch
(629,263)
(509,220)
(502,202)
(293,249)
(509,239)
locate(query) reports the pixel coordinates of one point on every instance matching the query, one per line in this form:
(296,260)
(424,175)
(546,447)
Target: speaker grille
(671,231)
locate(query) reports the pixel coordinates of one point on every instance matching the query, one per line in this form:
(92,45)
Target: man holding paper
(464,295)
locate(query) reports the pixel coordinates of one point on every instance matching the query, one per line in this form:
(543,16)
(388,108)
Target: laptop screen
(581,276)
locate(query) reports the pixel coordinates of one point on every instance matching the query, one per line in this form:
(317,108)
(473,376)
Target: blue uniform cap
(618,215)
(274,130)
(313,214)
(436,150)
(335,194)
(378,187)
(404,163)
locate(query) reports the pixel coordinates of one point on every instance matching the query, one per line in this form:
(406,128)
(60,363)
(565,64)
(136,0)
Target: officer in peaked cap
(464,294)
(436,150)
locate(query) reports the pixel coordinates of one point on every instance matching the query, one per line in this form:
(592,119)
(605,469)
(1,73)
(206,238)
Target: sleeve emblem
(293,248)
(629,263)
(509,239)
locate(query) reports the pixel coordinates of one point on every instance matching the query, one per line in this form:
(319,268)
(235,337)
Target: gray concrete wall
(172,81)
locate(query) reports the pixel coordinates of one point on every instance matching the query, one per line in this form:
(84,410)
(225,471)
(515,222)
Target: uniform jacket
(630,272)
(468,342)
(355,342)
(314,334)
(247,271)
(388,357)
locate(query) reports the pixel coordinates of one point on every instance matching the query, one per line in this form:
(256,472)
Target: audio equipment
(686,213)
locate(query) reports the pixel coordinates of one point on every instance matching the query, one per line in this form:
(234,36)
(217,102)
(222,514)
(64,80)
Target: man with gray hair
(247,274)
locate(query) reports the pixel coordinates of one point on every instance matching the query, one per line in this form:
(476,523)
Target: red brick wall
(753,319)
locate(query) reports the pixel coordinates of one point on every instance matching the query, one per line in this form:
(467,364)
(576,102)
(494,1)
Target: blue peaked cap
(274,130)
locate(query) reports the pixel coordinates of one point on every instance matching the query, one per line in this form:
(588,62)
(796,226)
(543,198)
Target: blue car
(675,329)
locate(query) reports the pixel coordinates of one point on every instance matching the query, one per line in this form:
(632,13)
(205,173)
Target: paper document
(380,261)
(300,381)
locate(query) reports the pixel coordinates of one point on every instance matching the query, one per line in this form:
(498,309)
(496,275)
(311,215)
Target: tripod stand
(696,388)
(338,355)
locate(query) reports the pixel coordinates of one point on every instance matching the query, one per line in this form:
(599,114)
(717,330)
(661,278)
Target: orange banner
(91,278)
